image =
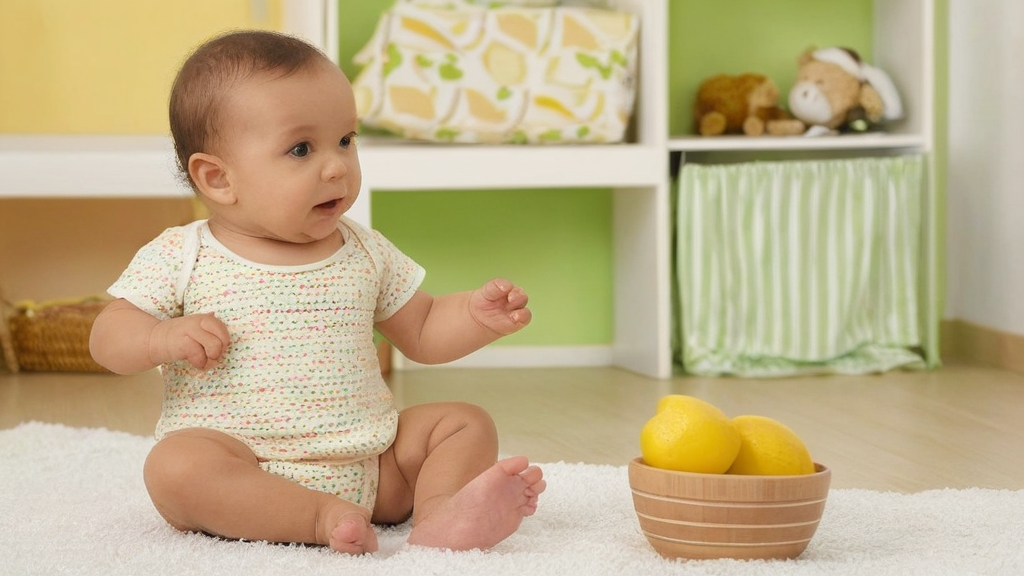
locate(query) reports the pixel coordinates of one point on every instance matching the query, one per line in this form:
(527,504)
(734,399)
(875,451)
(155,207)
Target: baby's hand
(201,339)
(500,306)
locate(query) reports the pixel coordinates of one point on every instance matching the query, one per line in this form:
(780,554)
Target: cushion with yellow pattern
(468,74)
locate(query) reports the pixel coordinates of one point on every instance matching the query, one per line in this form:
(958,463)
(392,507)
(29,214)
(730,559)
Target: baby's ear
(207,171)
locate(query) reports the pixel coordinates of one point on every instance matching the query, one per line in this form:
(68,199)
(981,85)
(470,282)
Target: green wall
(555,243)
(356,22)
(558,243)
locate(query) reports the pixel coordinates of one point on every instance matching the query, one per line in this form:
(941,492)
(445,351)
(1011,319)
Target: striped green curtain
(801,267)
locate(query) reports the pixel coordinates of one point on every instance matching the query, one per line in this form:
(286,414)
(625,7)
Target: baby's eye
(348,141)
(300,150)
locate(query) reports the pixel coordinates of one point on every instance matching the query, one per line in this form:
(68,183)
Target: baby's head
(209,74)
(264,129)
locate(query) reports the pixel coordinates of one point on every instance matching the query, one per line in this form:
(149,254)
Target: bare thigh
(205,480)
(438,449)
(179,458)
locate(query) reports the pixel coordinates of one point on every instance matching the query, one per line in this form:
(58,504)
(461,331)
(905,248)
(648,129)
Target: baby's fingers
(521,316)
(500,289)
(203,351)
(218,330)
(517,298)
(496,290)
(196,356)
(208,344)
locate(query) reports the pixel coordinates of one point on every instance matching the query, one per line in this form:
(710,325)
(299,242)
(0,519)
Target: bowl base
(708,516)
(697,551)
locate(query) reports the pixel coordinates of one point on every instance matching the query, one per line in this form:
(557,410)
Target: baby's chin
(317,236)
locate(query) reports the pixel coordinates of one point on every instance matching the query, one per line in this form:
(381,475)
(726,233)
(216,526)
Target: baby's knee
(180,460)
(168,475)
(167,469)
(474,416)
(470,411)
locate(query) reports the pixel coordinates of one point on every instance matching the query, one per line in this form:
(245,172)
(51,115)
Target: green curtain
(798,267)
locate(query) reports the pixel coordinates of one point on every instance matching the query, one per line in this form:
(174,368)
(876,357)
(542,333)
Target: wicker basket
(8,360)
(51,337)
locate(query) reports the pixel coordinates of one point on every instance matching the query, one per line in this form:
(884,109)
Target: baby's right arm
(127,340)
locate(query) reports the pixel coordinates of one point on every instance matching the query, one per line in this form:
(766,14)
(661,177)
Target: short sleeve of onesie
(401,276)
(150,281)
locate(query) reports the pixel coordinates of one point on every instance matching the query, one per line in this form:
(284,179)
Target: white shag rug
(72,502)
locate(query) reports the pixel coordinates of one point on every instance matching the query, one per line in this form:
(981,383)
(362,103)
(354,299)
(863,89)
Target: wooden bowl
(704,516)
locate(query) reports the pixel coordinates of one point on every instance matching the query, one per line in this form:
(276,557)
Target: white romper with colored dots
(300,383)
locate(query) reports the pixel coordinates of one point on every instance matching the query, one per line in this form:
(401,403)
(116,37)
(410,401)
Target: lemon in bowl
(708,486)
(769,448)
(688,434)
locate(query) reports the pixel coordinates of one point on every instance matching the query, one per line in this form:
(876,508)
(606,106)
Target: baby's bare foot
(485,511)
(353,534)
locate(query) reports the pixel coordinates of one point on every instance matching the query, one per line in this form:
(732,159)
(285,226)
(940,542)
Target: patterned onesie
(300,384)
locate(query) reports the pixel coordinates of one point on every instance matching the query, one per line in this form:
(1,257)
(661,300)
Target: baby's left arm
(436,329)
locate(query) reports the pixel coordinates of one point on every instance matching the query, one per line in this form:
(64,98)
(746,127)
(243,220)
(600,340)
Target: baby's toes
(532,475)
(353,535)
(537,488)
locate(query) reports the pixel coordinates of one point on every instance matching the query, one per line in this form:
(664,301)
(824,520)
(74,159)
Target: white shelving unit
(638,171)
(903,35)
(870,141)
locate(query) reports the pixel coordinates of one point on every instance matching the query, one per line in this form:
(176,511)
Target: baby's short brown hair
(210,72)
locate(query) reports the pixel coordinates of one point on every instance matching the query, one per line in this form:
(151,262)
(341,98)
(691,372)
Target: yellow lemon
(769,448)
(690,435)
(684,403)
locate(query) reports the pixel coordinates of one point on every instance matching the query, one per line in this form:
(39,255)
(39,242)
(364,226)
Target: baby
(276,423)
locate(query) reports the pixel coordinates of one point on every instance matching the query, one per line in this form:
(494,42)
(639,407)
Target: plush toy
(743,104)
(836,91)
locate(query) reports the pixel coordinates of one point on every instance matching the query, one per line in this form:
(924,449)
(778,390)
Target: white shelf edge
(40,166)
(795,143)
(389,166)
(88,167)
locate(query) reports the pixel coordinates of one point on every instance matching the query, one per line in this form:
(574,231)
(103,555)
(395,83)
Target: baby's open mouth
(328,205)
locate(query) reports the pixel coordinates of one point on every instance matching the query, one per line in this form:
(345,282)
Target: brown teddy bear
(742,104)
(835,90)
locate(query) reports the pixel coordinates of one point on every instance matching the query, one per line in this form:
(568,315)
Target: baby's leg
(442,469)
(206,481)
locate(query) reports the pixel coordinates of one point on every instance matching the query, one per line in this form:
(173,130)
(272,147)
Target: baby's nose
(334,168)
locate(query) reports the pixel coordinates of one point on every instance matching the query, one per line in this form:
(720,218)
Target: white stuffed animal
(835,90)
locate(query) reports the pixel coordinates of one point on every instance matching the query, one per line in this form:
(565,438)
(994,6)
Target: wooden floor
(958,427)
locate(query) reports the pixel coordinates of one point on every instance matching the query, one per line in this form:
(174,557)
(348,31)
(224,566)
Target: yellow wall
(105,66)
(95,67)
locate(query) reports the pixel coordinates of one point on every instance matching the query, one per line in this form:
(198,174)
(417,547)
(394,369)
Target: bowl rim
(819,470)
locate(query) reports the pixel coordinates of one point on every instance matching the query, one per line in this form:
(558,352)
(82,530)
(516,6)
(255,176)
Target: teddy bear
(742,104)
(836,91)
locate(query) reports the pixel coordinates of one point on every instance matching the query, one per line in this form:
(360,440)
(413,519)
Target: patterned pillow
(499,75)
(486,3)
